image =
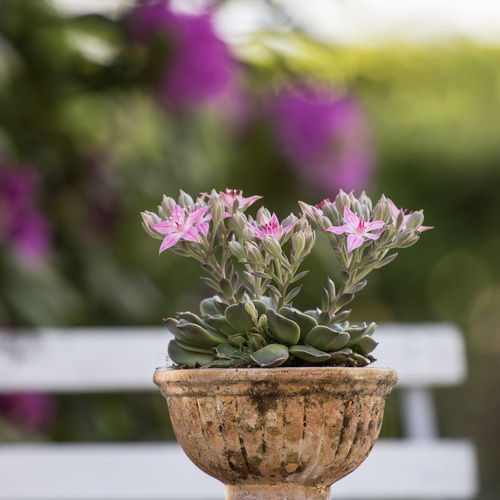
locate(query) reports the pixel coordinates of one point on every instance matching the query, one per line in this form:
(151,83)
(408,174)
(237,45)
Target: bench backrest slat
(103,359)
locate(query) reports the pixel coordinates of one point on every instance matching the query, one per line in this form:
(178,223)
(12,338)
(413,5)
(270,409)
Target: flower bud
(165,209)
(251,310)
(263,216)
(310,239)
(217,212)
(301,225)
(239,221)
(382,210)
(253,253)
(365,200)
(237,250)
(399,221)
(308,210)
(342,200)
(298,242)
(263,320)
(289,221)
(331,212)
(271,245)
(150,219)
(406,238)
(185,201)
(325,222)
(247,234)
(415,220)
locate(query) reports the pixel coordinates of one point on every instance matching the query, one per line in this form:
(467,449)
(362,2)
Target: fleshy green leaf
(191,359)
(237,340)
(292,294)
(195,333)
(283,329)
(271,355)
(355,334)
(171,326)
(341,354)
(222,363)
(326,339)
(189,317)
(344,299)
(371,329)
(358,286)
(195,348)
(229,351)
(221,325)
(386,261)
(305,321)
(208,306)
(226,288)
(365,345)
(237,316)
(299,276)
(309,353)
(341,316)
(360,360)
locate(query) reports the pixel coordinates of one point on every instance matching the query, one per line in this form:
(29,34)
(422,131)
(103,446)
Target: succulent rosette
(253,266)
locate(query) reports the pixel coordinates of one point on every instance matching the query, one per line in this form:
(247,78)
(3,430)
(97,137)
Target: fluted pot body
(277,433)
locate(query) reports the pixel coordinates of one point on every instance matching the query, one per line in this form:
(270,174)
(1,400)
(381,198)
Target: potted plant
(276,402)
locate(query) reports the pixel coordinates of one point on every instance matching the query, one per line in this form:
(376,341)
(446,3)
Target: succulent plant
(253,333)
(253,266)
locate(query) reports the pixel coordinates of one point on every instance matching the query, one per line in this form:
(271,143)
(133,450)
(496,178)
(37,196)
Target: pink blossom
(358,229)
(395,211)
(271,226)
(183,226)
(235,196)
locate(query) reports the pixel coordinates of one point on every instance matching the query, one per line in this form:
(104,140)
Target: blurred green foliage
(105,150)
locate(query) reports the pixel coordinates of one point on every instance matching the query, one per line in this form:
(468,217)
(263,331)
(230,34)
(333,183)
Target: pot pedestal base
(276,492)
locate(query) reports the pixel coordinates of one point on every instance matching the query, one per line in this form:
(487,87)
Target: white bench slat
(82,360)
(396,469)
(427,354)
(100,359)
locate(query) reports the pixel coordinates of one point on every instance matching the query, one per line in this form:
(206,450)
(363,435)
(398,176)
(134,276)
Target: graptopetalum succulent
(252,263)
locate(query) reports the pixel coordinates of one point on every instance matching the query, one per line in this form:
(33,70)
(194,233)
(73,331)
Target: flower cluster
(198,66)
(253,267)
(326,136)
(23,229)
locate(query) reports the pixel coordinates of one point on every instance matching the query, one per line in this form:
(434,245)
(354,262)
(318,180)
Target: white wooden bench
(419,466)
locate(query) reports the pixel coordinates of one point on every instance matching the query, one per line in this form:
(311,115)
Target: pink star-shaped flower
(358,229)
(235,196)
(271,227)
(395,211)
(182,226)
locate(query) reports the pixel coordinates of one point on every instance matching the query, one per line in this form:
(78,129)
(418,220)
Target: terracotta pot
(277,433)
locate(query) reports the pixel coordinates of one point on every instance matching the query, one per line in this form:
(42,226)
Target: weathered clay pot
(277,433)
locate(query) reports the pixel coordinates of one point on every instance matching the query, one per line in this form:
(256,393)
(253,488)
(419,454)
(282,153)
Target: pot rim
(283,380)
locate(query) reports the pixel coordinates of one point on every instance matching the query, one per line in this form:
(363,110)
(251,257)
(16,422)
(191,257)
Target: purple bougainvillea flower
(182,226)
(326,137)
(200,67)
(23,228)
(357,229)
(272,227)
(29,412)
(234,197)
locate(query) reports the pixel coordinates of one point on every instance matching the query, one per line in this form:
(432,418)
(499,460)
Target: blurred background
(107,105)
